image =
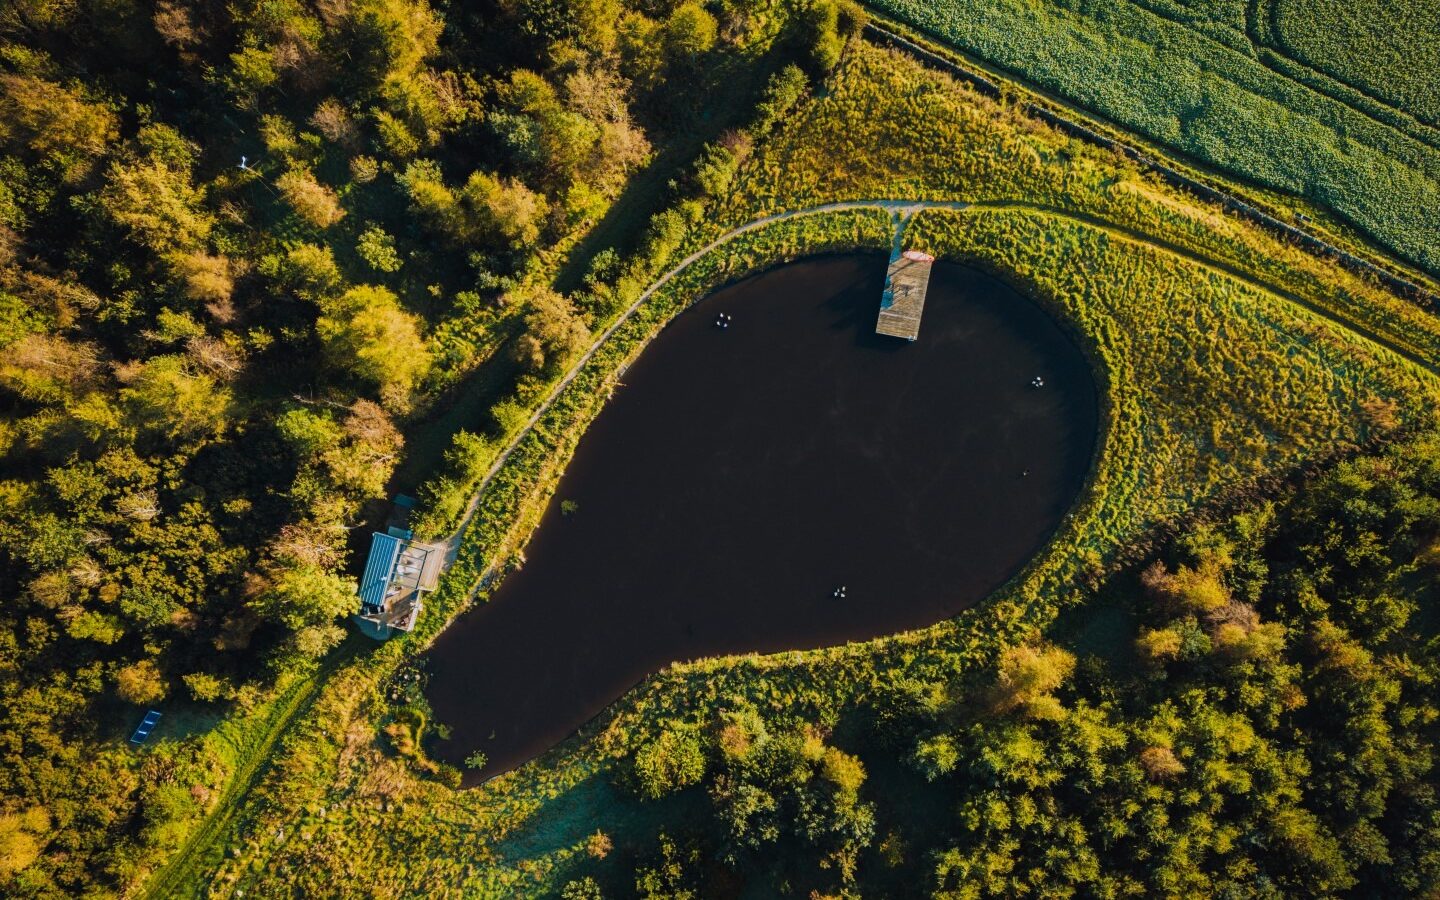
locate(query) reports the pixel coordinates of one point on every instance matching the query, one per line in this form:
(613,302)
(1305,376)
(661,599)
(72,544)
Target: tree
(365,332)
(54,123)
(157,205)
(820,25)
(205,278)
(1027,676)
(312,201)
(1196,590)
(165,396)
(1158,645)
(308,271)
(389,39)
(21,836)
(782,92)
(715,170)
(585,888)
(302,596)
(141,683)
(669,874)
(671,761)
(335,122)
(690,31)
(377,248)
(561,142)
(599,845)
(936,756)
(552,330)
(502,210)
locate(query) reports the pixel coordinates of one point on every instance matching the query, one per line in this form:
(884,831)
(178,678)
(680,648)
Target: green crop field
(1209,81)
(1390,50)
(1226,357)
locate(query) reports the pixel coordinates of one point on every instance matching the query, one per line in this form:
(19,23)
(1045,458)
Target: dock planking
(903,302)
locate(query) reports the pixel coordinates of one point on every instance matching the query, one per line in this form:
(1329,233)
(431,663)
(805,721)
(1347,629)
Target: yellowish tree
(367,333)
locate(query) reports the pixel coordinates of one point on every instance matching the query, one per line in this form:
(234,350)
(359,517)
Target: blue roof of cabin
(384,550)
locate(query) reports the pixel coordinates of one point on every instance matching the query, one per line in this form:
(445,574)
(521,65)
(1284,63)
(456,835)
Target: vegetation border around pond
(1031,599)
(304,772)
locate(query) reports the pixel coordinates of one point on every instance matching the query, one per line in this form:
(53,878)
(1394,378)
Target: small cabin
(398,572)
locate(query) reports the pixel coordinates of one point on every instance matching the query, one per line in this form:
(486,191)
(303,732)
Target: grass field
(1225,356)
(1202,78)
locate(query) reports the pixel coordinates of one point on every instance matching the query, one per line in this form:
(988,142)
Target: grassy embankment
(1211,382)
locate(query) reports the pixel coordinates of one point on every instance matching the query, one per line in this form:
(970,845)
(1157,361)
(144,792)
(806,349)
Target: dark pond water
(738,477)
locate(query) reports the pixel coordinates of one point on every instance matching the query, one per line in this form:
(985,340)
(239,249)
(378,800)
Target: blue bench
(146,726)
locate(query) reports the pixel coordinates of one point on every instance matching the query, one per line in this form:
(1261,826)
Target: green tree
(312,201)
(365,332)
(389,39)
(552,330)
(55,124)
(377,248)
(673,760)
(21,837)
(689,31)
(167,396)
(304,596)
(504,211)
(820,25)
(158,206)
(1027,675)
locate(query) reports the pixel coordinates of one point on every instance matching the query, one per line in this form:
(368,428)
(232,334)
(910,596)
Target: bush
(672,761)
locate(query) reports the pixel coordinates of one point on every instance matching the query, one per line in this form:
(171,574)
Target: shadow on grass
(595,804)
(464,406)
(730,102)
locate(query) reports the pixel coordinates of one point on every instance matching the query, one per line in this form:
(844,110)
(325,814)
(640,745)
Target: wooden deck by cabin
(398,572)
(904,299)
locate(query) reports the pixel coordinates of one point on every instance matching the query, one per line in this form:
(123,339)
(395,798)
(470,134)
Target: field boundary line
(983,84)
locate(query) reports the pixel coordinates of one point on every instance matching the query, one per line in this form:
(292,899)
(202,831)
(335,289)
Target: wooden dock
(904,299)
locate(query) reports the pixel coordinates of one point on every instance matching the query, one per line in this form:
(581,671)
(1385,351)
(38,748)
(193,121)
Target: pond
(740,476)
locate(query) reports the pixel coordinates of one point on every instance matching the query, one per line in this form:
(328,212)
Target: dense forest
(243,246)
(1252,711)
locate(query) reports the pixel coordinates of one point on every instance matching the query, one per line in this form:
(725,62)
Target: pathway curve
(901,212)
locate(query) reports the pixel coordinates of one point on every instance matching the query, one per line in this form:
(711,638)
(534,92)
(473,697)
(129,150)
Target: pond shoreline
(933,427)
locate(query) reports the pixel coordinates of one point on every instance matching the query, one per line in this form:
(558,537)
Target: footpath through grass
(201,849)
